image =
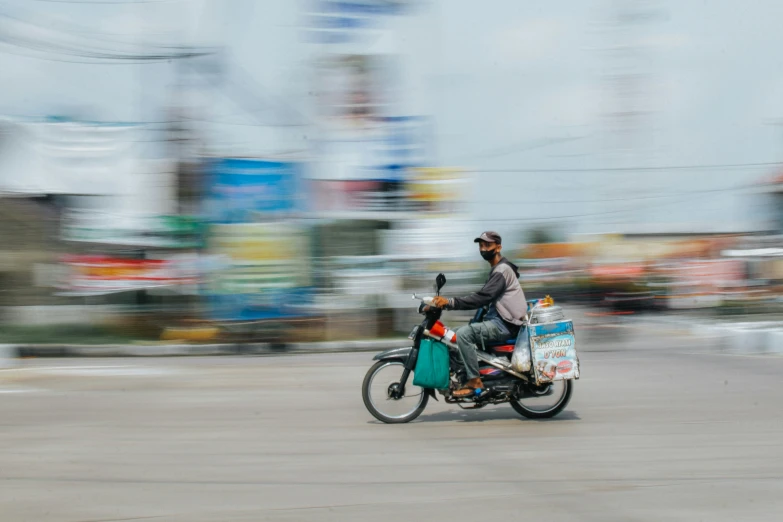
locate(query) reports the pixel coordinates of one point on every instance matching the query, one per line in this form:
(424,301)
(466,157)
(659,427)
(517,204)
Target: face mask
(488,254)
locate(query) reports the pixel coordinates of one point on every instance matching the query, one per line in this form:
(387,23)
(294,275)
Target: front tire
(561,399)
(376,393)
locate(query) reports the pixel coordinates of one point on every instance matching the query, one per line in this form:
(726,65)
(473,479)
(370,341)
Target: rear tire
(368,402)
(520,408)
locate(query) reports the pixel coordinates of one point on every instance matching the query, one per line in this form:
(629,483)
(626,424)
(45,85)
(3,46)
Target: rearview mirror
(440,281)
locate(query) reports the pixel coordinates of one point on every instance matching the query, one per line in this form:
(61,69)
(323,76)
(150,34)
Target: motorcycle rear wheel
(376,393)
(561,395)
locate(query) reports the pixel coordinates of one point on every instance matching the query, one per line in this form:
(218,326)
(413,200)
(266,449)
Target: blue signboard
(341,21)
(245,190)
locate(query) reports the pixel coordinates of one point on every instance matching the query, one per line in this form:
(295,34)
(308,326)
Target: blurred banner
(265,271)
(140,254)
(97,275)
(371,173)
(712,274)
(171,232)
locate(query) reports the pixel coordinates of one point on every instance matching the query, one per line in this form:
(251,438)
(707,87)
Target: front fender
(395,353)
(402,355)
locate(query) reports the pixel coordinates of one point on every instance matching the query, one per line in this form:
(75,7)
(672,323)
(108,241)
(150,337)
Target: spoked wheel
(545,402)
(380,391)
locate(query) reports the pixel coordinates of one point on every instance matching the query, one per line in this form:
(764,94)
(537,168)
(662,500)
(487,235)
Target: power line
(107,2)
(661,196)
(65,60)
(685,196)
(159,53)
(243,93)
(637,168)
(514,149)
(288,111)
(556,218)
(96,58)
(575,216)
(245,124)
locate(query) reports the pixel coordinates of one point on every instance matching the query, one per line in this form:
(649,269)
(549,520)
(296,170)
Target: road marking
(748,355)
(108,371)
(35,368)
(21,390)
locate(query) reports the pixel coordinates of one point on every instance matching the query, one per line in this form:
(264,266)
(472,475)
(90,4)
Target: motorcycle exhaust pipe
(501,389)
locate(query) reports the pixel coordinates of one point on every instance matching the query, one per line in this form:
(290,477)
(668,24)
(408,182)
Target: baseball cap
(489,236)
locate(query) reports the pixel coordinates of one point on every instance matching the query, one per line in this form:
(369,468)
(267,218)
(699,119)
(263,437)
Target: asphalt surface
(658,434)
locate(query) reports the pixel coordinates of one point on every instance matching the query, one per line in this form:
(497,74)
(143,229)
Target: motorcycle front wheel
(547,403)
(379,393)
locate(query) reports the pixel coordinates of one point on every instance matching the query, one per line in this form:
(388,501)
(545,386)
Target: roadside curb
(742,338)
(730,338)
(738,337)
(180,350)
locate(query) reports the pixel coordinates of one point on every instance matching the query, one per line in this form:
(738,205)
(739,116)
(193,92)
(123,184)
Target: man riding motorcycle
(507,305)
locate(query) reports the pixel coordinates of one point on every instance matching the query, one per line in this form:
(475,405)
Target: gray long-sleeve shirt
(502,290)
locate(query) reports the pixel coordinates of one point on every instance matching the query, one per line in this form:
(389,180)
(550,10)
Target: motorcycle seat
(504,348)
(501,347)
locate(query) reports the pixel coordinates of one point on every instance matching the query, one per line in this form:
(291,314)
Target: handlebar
(427,300)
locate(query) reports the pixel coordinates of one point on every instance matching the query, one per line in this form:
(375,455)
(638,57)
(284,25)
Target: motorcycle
(534,372)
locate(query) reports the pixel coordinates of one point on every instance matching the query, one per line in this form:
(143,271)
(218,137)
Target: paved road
(651,434)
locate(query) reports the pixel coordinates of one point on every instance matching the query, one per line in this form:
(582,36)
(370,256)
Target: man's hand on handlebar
(440,301)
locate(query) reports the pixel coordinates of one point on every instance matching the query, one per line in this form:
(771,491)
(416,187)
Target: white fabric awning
(67,158)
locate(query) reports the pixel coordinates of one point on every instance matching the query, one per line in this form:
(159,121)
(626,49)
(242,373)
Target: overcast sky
(510,84)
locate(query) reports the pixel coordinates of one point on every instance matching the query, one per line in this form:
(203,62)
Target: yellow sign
(262,256)
(436,184)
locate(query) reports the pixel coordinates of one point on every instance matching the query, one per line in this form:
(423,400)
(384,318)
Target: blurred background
(237,170)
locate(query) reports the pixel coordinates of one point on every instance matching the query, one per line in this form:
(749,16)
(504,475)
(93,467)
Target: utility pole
(194,77)
(629,110)
(777,198)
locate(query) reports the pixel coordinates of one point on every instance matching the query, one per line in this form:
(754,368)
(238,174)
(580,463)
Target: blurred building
(367,133)
(64,180)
